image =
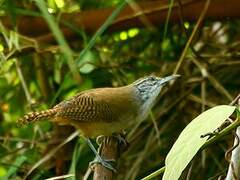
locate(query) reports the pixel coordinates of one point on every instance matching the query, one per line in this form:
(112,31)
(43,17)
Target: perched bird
(104,111)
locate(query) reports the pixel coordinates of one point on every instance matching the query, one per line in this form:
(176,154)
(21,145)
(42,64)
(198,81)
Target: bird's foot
(107,163)
(99,160)
(123,144)
(122,140)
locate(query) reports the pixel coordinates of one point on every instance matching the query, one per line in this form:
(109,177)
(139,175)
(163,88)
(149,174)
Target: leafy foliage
(38,71)
(189,142)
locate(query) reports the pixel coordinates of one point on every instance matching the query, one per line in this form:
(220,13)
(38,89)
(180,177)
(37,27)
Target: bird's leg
(121,137)
(99,159)
(122,140)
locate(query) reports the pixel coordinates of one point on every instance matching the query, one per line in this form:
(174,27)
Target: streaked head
(152,83)
(149,88)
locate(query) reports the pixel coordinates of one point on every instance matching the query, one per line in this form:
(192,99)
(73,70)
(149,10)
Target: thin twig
(87,174)
(138,10)
(27,93)
(135,167)
(216,84)
(200,19)
(234,165)
(61,177)
(51,153)
(152,117)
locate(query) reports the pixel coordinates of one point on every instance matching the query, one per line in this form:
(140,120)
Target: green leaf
(3,171)
(76,154)
(101,30)
(86,65)
(57,33)
(189,141)
(13,169)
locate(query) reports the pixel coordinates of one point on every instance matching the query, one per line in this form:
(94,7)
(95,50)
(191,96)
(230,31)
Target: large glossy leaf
(189,141)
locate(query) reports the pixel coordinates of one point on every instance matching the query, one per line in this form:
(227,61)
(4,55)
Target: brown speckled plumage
(94,111)
(84,108)
(34,116)
(104,111)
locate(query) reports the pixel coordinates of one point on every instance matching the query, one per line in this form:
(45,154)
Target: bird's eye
(152,78)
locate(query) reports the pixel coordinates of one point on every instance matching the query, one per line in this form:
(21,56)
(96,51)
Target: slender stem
(214,139)
(224,132)
(200,19)
(101,30)
(24,85)
(93,148)
(154,174)
(57,33)
(234,165)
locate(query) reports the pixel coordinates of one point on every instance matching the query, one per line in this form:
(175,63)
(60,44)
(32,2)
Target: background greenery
(37,79)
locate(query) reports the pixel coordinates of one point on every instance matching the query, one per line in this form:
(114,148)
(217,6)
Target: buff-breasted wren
(104,111)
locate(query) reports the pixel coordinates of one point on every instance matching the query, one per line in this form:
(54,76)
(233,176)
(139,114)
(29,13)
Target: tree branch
(109,150)
(154,11)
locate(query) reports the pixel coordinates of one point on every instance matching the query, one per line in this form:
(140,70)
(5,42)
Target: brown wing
(84,107)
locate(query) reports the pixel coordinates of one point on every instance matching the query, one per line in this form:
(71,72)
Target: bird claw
(99,139)
(120,137)
(121,140)
(107,163)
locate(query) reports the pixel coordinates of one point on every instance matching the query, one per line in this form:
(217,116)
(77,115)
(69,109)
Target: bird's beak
(169,78)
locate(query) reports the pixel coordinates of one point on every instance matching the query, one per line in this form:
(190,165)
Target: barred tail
(35,116)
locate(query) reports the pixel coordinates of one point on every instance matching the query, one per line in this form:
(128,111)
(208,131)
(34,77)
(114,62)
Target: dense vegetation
(52,49)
